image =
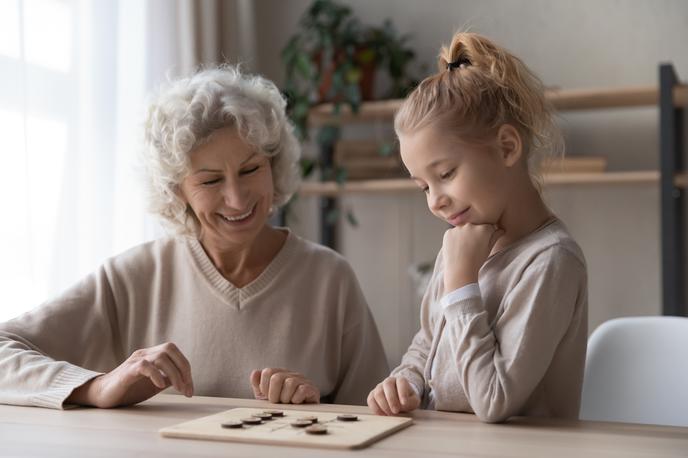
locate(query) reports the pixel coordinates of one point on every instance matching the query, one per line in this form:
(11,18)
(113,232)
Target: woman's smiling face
(229,188)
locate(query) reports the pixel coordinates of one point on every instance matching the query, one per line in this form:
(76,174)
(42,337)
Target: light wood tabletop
(133,431)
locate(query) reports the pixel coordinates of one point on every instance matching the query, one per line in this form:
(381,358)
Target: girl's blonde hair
(480,87)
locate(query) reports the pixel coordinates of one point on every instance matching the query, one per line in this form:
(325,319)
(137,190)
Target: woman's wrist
(84,395)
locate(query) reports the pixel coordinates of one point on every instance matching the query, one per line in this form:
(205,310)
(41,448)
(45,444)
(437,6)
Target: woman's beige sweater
(305,312)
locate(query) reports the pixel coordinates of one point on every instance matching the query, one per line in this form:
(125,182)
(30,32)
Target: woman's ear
(179,192)
(509,144)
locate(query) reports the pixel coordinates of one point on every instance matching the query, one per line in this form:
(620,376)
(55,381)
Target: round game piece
(347,417)
(312,419)
(263,415)
(301,423)
(275,413)
(251,421)
(232,424)
(316,429)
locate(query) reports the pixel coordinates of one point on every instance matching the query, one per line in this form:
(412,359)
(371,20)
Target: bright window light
(42,152)
(14,238)
(9,28)
(48,33)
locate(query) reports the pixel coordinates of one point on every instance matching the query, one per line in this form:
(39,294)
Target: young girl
(504,319)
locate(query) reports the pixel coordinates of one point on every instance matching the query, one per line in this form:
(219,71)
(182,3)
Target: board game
(290,427)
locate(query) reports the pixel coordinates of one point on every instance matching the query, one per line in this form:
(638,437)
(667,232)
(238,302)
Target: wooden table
(133,431)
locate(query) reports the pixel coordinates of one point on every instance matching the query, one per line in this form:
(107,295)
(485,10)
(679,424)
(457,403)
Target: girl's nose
(437,199)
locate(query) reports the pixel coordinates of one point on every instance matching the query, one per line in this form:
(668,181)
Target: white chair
(636,371)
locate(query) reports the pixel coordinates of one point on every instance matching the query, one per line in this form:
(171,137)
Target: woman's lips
(240,219)
(459,218)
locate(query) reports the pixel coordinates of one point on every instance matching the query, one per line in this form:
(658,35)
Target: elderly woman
(228,294)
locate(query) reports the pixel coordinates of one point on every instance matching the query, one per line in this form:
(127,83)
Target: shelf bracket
(671,143)
(327,138)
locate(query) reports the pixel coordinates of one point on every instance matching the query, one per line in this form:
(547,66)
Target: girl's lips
(459,218)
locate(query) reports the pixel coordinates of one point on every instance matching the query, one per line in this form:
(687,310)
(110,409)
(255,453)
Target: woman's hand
(283,386)
(392,396)
(143,375)
(465,249)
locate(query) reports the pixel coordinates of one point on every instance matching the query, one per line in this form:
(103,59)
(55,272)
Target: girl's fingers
(407,395)
(404,389)
(381,401)
(372,403)
(389,386)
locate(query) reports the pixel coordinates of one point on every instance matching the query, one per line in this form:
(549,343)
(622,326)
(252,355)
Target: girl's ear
(509,145)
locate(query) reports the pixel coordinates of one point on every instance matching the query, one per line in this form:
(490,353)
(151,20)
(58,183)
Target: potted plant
(334,58)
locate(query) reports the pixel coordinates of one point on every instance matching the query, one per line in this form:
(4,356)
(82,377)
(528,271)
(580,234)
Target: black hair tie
(458,63)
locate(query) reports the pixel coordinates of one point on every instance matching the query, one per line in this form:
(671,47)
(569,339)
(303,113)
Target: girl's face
(463,183)
(229,189)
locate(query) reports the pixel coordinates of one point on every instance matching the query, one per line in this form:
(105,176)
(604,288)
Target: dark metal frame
(328,205)
(671,141)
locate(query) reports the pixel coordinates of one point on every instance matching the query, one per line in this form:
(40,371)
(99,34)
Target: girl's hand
(392,396)
(143,375)
(465,249)
(283,386)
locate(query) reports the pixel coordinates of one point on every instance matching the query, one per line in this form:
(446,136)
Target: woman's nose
(234,195)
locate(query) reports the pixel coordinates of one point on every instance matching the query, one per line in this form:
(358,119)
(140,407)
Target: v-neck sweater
(304,312)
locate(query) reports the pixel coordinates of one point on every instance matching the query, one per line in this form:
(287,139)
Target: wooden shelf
(331,188)
(570,99)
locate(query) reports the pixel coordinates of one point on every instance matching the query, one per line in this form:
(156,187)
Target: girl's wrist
(459,281)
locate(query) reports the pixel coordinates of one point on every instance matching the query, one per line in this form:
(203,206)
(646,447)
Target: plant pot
(365,60)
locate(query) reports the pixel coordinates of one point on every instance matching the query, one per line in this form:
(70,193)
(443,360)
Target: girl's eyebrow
(436,162)
(432,165)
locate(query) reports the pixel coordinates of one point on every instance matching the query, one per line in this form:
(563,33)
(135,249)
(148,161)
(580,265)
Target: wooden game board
(278,431)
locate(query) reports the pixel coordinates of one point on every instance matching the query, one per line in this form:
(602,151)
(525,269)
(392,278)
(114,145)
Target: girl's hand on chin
(465,249)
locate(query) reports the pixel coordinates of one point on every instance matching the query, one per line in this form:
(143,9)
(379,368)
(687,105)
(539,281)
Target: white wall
(587,43)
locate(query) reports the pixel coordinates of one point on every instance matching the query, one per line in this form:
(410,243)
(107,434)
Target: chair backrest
(636,371)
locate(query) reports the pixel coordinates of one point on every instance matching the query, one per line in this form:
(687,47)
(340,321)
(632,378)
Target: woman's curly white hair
(185,112)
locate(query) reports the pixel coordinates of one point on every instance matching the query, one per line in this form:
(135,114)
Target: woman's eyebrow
(205,169)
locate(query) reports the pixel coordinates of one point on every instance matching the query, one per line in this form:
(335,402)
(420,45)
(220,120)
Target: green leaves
(331,58)
(333,215)
(307,166)
(328,135)
(332,45)
(351,218)
(386,149)
(340,176)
